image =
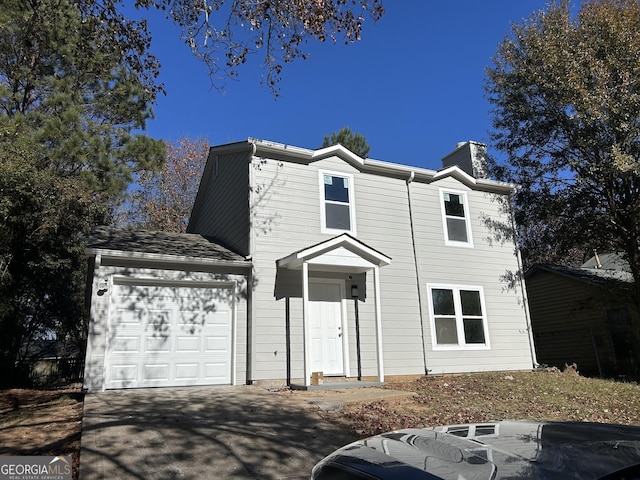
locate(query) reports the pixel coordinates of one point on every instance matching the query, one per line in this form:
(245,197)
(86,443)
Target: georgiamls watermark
(35,468)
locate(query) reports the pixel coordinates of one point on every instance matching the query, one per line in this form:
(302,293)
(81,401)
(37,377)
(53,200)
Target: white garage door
(169,335)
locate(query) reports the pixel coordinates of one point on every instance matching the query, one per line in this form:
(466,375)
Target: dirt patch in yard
(41,422)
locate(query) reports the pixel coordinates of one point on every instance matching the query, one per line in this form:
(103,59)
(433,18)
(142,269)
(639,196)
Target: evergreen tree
(351,140)
(70,101)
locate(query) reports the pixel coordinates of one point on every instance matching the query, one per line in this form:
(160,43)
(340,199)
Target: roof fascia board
(341,152)
(541,268)
(164,258)
(346,241)
(593,280)
(235,147)
(493,186)
(388,168)
(263,148)
(278,150)
(428,176)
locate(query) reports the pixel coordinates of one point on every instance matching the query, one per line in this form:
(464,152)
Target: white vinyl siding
(293,213)
(484,265)
(457,316)
(337,203)
(223,212)
(286,216)
(455,218)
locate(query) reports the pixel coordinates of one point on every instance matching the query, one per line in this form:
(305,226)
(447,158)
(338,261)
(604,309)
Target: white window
(458,317)
(455,218)
(337,203)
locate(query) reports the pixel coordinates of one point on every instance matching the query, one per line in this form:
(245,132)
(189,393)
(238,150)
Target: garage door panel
(159,322)
(215,372)
(129,317)
(124,373)
(157,344)
(218,318)
(156,372)
(191,319)
(216,345)
(125,344)
(189,344)
(191,326)
(169,336)
(187,371)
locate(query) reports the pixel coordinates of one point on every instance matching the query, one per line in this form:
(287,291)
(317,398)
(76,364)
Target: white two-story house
(302,264)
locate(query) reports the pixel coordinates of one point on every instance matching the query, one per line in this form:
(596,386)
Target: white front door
(325,320)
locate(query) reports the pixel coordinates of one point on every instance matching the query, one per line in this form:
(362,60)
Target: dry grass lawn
(540,395)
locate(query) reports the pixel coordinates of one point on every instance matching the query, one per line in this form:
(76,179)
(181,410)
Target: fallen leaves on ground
(41,422)
(484,397)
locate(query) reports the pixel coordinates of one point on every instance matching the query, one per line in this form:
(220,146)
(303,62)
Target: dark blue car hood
(500,450)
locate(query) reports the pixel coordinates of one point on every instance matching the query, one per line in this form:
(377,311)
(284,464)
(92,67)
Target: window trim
(323,202)
(461,345)
(467,218)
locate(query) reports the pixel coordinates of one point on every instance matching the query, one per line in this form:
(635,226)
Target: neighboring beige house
(584,315)
(304,263)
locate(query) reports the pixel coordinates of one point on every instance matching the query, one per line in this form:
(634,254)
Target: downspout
(251,308)
(418,277)
(250,200)
(523,286)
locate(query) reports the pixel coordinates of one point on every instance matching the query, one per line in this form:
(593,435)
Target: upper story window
(458,317)
(337,202)
(455,218)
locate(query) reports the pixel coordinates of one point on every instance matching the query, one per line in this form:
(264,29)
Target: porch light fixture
(354,291)
(103,285)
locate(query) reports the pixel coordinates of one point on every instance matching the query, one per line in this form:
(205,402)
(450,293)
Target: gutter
(276,151)
(164,258)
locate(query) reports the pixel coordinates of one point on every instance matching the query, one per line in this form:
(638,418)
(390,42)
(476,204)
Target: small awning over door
(345,254)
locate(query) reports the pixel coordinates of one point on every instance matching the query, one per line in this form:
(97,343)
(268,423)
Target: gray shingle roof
(614,269)
(609,261)
(162,243)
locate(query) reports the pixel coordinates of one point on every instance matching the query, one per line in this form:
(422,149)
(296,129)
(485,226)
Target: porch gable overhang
(341,253)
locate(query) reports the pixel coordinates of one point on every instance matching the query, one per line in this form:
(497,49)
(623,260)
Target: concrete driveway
(205,432)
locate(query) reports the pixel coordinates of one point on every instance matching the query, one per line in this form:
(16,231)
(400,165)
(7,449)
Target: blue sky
(413,86)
